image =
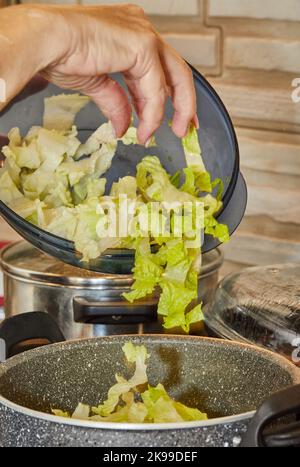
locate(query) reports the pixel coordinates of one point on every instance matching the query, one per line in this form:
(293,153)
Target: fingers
(180,80)
(111,99)
(147,85)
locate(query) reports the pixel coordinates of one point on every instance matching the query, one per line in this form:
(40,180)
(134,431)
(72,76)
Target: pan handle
(114,312)
(287,434)
(19,329)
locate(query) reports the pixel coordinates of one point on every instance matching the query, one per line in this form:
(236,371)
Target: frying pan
(219,148)
(226,379)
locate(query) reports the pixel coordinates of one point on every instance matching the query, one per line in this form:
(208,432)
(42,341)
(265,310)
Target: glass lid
(260,305)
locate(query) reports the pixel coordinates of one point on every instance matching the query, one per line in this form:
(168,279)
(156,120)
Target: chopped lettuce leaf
(137,356)
(14,137)
(130,137)
(60,111)
(82,412)
(127,403)
(103,135)
(53,181)
(8,190)
(125,186)
(154,182)
(146,273)
(60,413)
(192,150)
(25,207)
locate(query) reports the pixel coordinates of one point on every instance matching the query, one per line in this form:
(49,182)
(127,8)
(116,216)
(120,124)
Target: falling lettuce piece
(172,304)
(178,262)
(133,352)
(60,111)
(146,273)
(127,403)
(194,316)
(137,356)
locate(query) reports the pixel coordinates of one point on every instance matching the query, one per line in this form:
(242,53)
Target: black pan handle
(36,325)
(281,404)
(114,312)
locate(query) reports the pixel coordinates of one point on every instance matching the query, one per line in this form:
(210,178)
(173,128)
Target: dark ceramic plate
(220,154)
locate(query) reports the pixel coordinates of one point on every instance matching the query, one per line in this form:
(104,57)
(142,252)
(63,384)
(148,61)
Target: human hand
(86,44)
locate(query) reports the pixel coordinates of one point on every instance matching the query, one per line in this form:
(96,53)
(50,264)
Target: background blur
(250,52)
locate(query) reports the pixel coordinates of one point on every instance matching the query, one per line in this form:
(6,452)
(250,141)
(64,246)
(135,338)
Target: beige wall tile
(265,226)
(159,7)
(279,204)
(269,9)
(258,103)
(198,49)
(269,151)
(255,249)
(262,53)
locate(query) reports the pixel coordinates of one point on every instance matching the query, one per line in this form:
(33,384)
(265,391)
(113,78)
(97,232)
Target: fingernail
(148,142)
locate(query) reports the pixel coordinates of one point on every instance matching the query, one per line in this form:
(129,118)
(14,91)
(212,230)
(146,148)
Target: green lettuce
(127,402)
(56,182)
(60,111)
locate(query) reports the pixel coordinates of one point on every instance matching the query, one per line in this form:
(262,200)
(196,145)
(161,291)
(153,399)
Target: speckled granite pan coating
(220,377)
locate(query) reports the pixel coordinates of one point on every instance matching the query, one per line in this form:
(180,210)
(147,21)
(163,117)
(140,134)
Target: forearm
(30,39)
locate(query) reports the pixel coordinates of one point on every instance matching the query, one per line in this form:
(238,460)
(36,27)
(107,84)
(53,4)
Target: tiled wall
(250,52)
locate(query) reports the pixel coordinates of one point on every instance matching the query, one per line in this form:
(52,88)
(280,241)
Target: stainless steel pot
(226,379)
(84,303)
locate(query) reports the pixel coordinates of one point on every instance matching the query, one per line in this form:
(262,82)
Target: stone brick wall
(250,52)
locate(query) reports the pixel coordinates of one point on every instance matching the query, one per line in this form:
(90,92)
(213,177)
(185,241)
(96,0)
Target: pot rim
(11,362)
(96,280)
